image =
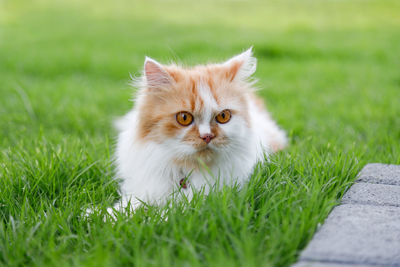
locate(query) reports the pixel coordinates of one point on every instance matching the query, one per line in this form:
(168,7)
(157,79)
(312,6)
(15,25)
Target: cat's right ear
(155,74)
(242,66)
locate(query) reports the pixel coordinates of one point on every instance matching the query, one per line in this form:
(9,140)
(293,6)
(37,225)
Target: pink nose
(207,137)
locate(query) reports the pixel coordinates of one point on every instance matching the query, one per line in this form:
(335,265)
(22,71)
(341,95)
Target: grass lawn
(330,73)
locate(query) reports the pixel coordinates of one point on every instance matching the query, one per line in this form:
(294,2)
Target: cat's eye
(184,118)
(224,116)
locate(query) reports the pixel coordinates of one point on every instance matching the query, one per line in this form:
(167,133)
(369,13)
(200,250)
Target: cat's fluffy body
(154,152)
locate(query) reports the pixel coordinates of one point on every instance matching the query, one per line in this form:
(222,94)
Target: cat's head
(196,112)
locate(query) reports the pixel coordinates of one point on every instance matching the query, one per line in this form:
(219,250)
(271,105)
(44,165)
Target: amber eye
(224,116)
(184,118)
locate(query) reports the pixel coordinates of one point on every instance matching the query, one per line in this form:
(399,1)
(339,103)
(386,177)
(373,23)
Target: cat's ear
(155,74)
(242,66)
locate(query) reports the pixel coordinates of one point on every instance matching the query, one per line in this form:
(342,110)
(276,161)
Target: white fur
(148,171)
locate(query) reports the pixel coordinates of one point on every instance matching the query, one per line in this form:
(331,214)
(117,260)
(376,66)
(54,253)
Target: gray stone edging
(365,229)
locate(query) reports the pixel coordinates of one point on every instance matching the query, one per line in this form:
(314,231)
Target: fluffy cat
(186,118)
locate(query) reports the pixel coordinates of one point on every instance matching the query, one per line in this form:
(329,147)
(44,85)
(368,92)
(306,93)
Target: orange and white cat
(185,118)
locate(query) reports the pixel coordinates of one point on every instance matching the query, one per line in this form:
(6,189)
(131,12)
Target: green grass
(330,71)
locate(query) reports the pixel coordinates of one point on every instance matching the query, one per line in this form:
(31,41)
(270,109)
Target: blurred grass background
(330,74)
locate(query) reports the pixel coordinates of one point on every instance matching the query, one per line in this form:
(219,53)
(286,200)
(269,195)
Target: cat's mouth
(203,146)
(203,149)
(205,152)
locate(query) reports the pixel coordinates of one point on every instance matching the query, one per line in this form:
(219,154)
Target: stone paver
(380,174)
(365,229)
(358,233)
(373,194)
(328,264)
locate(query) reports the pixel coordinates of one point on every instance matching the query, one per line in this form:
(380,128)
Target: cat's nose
(207,137)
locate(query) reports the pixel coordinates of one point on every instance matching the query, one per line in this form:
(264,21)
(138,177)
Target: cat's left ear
(242,66)
(155,74)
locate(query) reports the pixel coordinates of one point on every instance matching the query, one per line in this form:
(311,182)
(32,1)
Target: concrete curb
(365,229)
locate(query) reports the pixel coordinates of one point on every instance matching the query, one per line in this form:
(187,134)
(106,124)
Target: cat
(192,127)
